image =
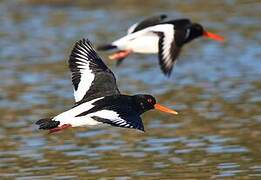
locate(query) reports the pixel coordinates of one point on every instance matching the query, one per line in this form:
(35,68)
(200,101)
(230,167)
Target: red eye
(149,100)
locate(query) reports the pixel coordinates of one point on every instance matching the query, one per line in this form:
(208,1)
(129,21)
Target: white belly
(80,121)
(144,44)
(140,42)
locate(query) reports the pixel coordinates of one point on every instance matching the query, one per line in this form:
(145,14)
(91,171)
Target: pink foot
(64,126)
(120,55)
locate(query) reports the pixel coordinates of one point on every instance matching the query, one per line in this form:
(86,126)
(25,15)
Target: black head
(144,102)
(194,31)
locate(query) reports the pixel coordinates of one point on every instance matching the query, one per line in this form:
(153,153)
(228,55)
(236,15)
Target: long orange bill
(213,36)
(164,109)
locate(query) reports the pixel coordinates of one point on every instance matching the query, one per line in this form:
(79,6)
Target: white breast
(144,44)
(139,42)
(146,40)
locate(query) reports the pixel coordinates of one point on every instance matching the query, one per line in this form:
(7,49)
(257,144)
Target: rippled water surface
(216,88)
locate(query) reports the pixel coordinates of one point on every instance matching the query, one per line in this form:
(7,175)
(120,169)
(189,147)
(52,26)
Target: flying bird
(97,98)
(157,35)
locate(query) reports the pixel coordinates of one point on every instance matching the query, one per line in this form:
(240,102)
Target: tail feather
(106,47)
(47,123)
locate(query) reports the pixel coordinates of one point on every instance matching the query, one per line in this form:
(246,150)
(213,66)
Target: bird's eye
(149,100)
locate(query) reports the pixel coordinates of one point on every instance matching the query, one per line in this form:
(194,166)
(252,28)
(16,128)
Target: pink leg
(64,126)
(120,55)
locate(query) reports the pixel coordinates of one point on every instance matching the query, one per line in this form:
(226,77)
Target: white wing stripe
(82,59)
(168,38)
(82,56)
(82,63)
(86,78)
(110,115)
(82,52)
(81,48)
(168,33)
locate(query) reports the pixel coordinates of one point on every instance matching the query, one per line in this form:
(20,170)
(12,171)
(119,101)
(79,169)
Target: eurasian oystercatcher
(98,99)
(156,34)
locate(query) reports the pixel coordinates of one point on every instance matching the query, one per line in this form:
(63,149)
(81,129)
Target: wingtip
(168,74)
(166,71)
(141,129)
(84,41)
(85,45)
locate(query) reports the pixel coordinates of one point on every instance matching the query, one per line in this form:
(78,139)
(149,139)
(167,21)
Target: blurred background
(216,87)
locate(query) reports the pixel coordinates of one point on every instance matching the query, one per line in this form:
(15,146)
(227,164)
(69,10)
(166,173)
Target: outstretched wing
(172,35)
(91,78)
(151,21)
(168,51)
(132,122)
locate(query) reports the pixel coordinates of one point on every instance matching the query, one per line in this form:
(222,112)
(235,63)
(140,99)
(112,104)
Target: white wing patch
(86,80)
(112,116)
(143,41)
(91,78)
(83,72)
(168,31)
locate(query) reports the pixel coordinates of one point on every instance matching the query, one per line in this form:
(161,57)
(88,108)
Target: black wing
(132,122)
(168,53)
(91,78)
(151,21)
(168,48)
(171,41)
(116,110)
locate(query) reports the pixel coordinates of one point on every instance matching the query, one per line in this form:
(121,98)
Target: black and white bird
(97,97)
(157,35)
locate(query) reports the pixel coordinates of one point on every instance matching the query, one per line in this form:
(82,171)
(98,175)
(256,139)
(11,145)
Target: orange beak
(164,109)
(213,36)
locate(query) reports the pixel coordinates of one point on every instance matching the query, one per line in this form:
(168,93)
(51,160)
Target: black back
(178,23)
(151,21)
(185,30)
(123,105)
(84,62)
